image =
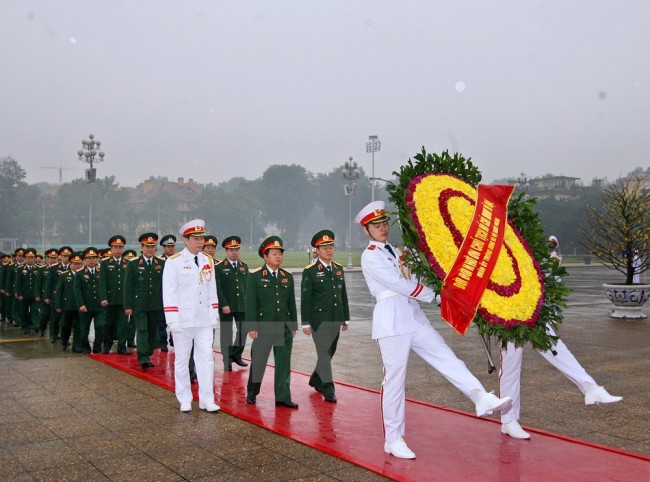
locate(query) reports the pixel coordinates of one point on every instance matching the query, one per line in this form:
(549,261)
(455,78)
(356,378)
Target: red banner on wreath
(469,276)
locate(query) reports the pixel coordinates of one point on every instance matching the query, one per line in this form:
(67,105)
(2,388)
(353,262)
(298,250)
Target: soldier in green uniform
(168,243)
(324,309)
(86,291)
(16,306)
(25,288)
(111,282)
(5,261)
(143,296)
(231,274)
(65,302)
(51,282)
(272,322)
(48,313)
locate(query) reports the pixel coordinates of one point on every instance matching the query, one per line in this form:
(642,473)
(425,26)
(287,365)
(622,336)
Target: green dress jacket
(143,285)
(323,296)
(270,302)
(231,285)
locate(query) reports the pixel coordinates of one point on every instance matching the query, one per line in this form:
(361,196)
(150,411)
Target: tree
(617,228)
(287,193)
(11,184)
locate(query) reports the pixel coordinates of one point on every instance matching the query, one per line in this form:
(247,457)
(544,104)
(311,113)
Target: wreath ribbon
(467,279)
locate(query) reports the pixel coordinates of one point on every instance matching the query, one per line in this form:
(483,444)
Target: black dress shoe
(251,399)
(131,345)
(164,349)
(105,351)
(227,367)
(288,404)
(318,389)
(144,365)
(240,362)
(151,365)
(123,352)
(65,347)
(330,398)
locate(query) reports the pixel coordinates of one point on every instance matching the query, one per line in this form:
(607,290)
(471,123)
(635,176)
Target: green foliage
(523,216)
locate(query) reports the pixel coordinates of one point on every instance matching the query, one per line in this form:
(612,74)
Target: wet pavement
(64,416)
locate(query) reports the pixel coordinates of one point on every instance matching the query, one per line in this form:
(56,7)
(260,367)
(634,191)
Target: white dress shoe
(209,407)
(186,407)
(399,449)
(514,430)
(489,402)
(600,395)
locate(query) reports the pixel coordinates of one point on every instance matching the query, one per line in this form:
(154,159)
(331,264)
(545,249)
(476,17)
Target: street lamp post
(373,145)
(90,155)
(350,174)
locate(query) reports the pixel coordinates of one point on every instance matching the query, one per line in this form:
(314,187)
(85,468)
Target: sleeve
(50,284)
(103,282)
(250,316)
(213,293)
(58,301)
(306,288)
(292,307)
(344,298)
(385,274)
(129,285)
(78,294)
(38,283)
(221,293)
(170,291)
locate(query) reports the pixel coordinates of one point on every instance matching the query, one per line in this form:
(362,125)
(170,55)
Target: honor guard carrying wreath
(324,309)
(399,325)
(192,312)
(231,275)
(271,321)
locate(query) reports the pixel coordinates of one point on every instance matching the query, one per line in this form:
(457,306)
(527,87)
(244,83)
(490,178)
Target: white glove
(175,327)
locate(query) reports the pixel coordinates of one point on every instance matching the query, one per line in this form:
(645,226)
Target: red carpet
(450,445)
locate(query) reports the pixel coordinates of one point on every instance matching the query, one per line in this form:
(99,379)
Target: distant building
(558,187)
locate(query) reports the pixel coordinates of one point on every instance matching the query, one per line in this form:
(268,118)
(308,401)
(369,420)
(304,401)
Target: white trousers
(202,338)
(395,350)
(510,373)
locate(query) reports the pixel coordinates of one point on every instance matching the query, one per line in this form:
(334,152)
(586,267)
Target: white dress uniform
(191,310)
(399,325)
(560,357)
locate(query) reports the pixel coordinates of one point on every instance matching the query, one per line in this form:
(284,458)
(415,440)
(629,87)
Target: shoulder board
(311,265)
(286,273)
(220,262)
(175,255)
(134,259)
(77,271)
(217,260)
(106,258)
(40,265)
(371,247)
(255,270)
(160,258)
(337,265)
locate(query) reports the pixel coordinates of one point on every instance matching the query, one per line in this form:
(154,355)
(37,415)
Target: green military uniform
(231,289)
(111,282)
(48,313)
(143,295)
(65,303)
(324,308)
(271,312)
(51,283)
(16,306)
(25,288)
(4,302)
(86,290)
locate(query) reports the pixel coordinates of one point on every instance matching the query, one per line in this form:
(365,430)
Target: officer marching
(324,310)
(143,296)
(231,276)
(48,313)
(271,321)
(86,290)
(65,302)
(111,293)
(25,287)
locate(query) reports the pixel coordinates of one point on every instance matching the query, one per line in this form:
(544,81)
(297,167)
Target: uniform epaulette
(255,270)
(106,257)
(134,259)
(337,265)
(220,262)
(371,247)
(285,272)
(310,265)
(175,255)
(160,258)
(40,265)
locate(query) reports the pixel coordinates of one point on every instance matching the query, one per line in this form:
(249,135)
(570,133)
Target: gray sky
(216,89)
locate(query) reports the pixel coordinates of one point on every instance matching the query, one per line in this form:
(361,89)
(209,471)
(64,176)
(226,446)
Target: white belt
(385,294)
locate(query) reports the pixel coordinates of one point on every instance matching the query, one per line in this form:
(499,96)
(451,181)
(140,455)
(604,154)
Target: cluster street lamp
(373,145)
(350,174)
(89,154)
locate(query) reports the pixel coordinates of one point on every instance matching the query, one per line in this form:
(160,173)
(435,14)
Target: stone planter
(628,300)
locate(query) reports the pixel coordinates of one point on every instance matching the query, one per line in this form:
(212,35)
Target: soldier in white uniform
(399,325)
(191,311)
(560,357)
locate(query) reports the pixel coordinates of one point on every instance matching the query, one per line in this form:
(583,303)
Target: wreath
(435,197)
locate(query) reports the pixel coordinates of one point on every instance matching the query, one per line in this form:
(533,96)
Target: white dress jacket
(190,291)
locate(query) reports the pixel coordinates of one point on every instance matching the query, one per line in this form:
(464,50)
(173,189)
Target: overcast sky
(217,89)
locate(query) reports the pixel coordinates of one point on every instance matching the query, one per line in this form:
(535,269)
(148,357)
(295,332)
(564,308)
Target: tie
(390,250)
(196,260)
(234,265)
(274,274)
(329,268)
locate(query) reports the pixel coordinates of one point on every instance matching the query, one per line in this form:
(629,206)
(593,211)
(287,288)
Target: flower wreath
(435,199)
